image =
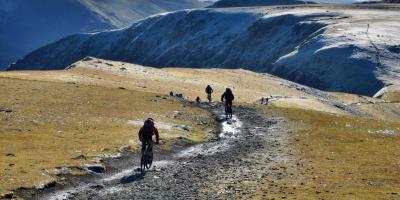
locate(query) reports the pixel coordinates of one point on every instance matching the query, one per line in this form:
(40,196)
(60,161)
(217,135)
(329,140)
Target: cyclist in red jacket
(146,134)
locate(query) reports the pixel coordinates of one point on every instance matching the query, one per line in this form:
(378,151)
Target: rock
(6,110)
(44,185)
(124,149)
(181,137)
(8,195)
(63,170)
(179,96)
(80,157)
(182,127)
(121,88)
(87,58)
(95,168)
(97,186)
(10,154)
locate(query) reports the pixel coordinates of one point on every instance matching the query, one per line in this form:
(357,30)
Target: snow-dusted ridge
(336,48)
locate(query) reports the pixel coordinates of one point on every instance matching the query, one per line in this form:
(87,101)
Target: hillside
(241,3)
(27,25)
(97,106)
(337,48)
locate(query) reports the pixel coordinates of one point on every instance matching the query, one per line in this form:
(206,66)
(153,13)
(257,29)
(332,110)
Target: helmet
(149,122)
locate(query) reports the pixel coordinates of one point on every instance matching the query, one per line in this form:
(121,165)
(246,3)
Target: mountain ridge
(240,3)
(29,25)
(322,47)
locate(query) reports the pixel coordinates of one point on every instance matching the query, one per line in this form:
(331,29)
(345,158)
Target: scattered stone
(182,127)
(80,157)
(97,186)
(87,58)
(181,137)
(123,69)
(179,96)
(44,185)
(10,154)
(8,195)
(6,110)
(121,88)
(124,149)
(95,168)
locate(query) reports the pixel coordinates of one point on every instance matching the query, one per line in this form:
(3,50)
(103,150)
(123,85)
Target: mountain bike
(228,111)
(147,157)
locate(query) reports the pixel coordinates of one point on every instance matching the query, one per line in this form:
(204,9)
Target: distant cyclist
(146,134)
(228,97)
(209,91)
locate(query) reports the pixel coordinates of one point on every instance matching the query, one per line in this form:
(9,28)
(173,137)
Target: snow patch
(230,130)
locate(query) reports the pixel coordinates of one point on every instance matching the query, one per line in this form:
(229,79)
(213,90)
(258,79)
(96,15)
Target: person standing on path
(209,91)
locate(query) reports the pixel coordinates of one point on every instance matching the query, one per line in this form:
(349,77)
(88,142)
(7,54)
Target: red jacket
(147,133)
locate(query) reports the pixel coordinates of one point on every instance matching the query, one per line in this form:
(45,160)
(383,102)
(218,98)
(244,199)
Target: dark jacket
(228,96)
(209,90)
(148,132)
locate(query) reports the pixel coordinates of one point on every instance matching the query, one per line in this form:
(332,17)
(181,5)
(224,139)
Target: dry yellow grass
(64,114)
(393,97)
(53,122)
(247,86)
(340,157)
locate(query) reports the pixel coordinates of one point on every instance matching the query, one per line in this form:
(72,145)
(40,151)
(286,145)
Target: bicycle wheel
(143,164)
(149,160)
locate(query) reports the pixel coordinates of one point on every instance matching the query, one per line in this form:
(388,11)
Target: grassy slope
(52,123)
(89,88)
(247,86)
(338,157)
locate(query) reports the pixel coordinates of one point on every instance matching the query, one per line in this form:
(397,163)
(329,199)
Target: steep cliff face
(314,46)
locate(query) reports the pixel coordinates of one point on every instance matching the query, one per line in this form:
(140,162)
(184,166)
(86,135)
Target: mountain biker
(146,134)
(209,91)
(228,96)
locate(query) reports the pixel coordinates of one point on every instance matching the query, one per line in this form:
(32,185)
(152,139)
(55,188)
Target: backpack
(229,95)
(148,129)
(208,89)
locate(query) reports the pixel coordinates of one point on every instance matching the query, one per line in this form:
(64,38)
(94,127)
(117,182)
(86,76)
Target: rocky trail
(234,164)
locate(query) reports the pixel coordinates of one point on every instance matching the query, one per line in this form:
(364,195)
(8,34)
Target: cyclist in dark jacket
(209,91)
(146,134)
(228,97)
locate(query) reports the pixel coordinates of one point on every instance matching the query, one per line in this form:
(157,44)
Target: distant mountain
(28,24)
(391,1)
(246,3)
(327,48)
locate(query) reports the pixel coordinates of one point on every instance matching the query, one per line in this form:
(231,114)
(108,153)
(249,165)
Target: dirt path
(234,165)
